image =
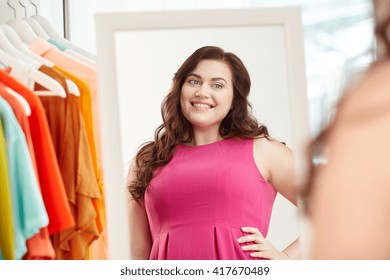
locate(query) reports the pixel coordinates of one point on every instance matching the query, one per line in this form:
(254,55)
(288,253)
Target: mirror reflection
(145,77)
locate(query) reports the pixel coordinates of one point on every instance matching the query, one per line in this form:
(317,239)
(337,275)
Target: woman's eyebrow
(213,79)
(195,75)
(219,78)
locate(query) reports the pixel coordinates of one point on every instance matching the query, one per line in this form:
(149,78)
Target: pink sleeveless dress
(198,202)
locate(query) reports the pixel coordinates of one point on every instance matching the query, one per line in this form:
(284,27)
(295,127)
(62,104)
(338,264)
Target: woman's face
(207,94)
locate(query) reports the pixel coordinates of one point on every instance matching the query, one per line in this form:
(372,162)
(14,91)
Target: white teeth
(204,106)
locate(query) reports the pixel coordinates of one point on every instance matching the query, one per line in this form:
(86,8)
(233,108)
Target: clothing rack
(65,9)
(38,65)
(10,9)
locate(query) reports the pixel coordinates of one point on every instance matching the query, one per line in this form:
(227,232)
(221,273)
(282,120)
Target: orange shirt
(99,248)
(73,154)
(87,74)
(86,111)
(83,71)
(52,186)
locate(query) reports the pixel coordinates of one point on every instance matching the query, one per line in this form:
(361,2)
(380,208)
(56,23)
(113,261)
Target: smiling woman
(221,191)
(206,99)
(137,75)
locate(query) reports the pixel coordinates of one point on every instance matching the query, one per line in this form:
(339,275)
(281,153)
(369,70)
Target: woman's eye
(217,86)
(194,82)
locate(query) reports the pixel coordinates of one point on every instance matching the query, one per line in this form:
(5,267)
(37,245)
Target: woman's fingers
(261,248)
(254,247)
(252,230)
(255,235)
(261,254)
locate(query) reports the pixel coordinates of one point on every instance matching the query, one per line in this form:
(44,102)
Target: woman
(349,196)
(204,188)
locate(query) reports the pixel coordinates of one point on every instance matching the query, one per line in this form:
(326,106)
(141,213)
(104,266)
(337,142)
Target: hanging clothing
(52,186)
(63,138)
(89,76)
(22,120)
(28,209)
(71,145)
(22,74)
(7,242)
(99,248)
(86,111)
(54,74)
(83,71)
(73,53)
(38,246)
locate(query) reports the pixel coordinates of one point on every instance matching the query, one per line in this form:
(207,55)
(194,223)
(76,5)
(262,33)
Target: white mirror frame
(106,27)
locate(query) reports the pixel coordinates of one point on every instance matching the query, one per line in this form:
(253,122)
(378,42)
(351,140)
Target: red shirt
(52,186)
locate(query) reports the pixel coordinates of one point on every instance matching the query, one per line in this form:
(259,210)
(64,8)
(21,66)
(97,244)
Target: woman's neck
(205,136)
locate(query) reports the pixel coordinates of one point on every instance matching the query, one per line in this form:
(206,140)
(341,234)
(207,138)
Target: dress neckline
(204,145)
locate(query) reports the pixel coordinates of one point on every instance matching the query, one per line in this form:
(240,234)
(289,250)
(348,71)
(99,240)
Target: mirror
(138,54)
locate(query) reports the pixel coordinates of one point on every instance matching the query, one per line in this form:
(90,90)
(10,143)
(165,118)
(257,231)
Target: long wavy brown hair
(316,148)
(176,129)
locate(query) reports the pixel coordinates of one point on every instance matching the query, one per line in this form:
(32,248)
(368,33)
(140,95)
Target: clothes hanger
(27,6)
(45,24)
(8,47)
(17,9)
(22,28)
(3,66)
(7,59)
(25,32)
(37,28)
(35,7)
(54,87)
(33,23)
(15,40)
(21,99)
(81,58)
(6,11)
(72,87)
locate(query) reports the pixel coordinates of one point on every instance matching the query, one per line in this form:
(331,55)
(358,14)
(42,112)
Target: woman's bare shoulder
(369,95)
(270,150)
(266,143)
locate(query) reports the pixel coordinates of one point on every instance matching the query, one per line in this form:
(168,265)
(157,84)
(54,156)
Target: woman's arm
(350,205)
(275,162)
(351,197)
(140,237)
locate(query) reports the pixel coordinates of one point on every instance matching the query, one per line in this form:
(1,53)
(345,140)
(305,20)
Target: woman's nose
(202,91)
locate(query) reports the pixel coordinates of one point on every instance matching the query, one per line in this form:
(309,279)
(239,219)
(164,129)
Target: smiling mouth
(201,106)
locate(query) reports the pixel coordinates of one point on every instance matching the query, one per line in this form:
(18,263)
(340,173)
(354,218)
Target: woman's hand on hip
(261,248)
